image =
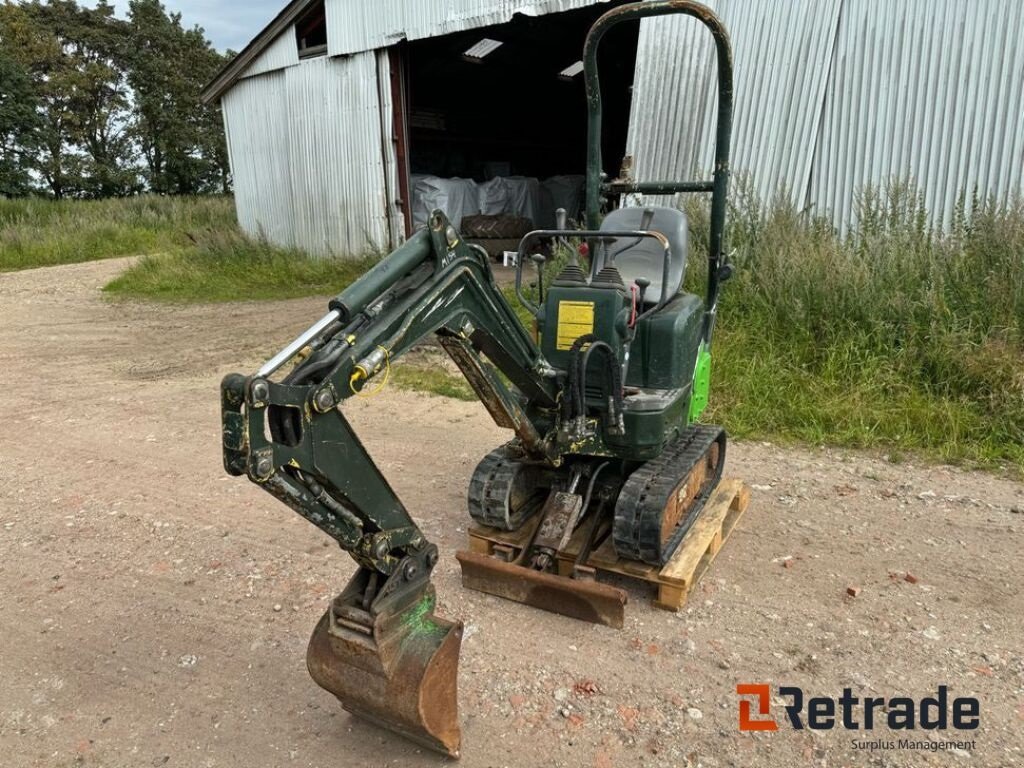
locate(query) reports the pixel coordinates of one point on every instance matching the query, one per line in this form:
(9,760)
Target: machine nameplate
(575,319)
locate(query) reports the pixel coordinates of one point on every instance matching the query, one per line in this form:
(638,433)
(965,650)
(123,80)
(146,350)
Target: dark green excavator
(603,400)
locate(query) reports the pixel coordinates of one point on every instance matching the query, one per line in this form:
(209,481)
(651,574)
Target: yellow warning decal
(575,319)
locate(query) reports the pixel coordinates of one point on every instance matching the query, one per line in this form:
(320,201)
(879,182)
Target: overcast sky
(228,23)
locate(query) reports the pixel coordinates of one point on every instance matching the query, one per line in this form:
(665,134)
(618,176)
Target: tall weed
(896,333)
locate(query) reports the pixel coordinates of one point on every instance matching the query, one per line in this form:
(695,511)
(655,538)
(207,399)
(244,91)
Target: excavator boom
(380,648)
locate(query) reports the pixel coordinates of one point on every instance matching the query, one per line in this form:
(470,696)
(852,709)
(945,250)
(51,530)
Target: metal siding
(281,54)
(832,96)
(926,92)
(781,54)
(354,25)
(306,154)
(337,165)
(256,123)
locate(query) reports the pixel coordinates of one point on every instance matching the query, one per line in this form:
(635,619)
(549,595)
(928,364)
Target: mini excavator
(603,399)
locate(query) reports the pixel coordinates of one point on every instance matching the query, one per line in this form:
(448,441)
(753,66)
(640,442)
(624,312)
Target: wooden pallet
(673,581)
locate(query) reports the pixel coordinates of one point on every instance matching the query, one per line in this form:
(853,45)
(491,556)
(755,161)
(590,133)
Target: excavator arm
(380,647)
(290,437)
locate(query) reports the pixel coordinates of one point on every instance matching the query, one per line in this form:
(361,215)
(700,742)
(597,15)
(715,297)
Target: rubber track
(490,489)
(645,496)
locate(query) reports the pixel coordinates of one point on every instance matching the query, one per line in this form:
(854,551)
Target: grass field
(893,337)
(44,233)
(225,265)
(192,248)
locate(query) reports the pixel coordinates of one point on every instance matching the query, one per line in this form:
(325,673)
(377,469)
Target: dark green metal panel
(647,431)
(666,345)
(561,326)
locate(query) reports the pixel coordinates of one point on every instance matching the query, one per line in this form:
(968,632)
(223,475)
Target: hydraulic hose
(573,406)
(592,483)
(611,384)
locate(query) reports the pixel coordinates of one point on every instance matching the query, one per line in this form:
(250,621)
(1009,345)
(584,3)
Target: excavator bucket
(577,598)
(398,670)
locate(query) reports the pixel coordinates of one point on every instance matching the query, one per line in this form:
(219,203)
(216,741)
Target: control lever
(540,261)
(562,224)
(643,284)
(607,257)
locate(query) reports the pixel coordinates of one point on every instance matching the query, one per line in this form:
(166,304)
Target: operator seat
(645,258)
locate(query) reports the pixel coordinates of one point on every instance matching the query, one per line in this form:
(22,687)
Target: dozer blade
(578,599)
(399,671)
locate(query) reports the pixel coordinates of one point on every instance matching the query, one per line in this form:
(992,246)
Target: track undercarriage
(647,508)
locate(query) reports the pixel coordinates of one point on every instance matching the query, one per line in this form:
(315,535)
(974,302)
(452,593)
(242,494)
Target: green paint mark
(420,619)
(701,384)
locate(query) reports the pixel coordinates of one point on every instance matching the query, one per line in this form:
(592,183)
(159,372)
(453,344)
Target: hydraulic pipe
(357,297)
(281,358)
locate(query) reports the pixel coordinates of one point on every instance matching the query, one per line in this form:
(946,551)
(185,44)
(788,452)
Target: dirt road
(155,612)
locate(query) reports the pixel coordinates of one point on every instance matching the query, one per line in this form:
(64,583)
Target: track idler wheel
(396,667)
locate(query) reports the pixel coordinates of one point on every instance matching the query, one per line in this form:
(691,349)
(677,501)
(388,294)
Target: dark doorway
(509,100)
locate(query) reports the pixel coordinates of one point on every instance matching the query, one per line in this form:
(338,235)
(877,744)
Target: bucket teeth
(399,671)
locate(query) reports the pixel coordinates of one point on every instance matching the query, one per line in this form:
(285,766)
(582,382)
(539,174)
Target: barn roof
(234,69)
(356,25)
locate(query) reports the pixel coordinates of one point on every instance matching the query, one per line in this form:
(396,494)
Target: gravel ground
(155,612)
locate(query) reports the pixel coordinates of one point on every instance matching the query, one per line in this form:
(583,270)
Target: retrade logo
(763,696)
(852,713)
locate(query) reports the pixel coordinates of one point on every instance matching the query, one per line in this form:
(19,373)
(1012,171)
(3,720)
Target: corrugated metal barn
(336,109)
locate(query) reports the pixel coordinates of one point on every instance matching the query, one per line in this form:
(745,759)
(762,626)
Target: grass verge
(761,390)
(896,336)
(425,376)
(227,266)
(35,232)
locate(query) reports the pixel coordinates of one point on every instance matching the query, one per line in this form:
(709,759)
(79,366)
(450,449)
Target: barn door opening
(495,119)
(400,128)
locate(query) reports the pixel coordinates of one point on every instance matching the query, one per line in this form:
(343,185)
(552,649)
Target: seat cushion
(645,258)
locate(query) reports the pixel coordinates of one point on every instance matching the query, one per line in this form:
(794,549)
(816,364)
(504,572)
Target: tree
(96,45)
(212,140)
(75,59)
(84,96)
(18,127)
(39,55)
(181,139)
